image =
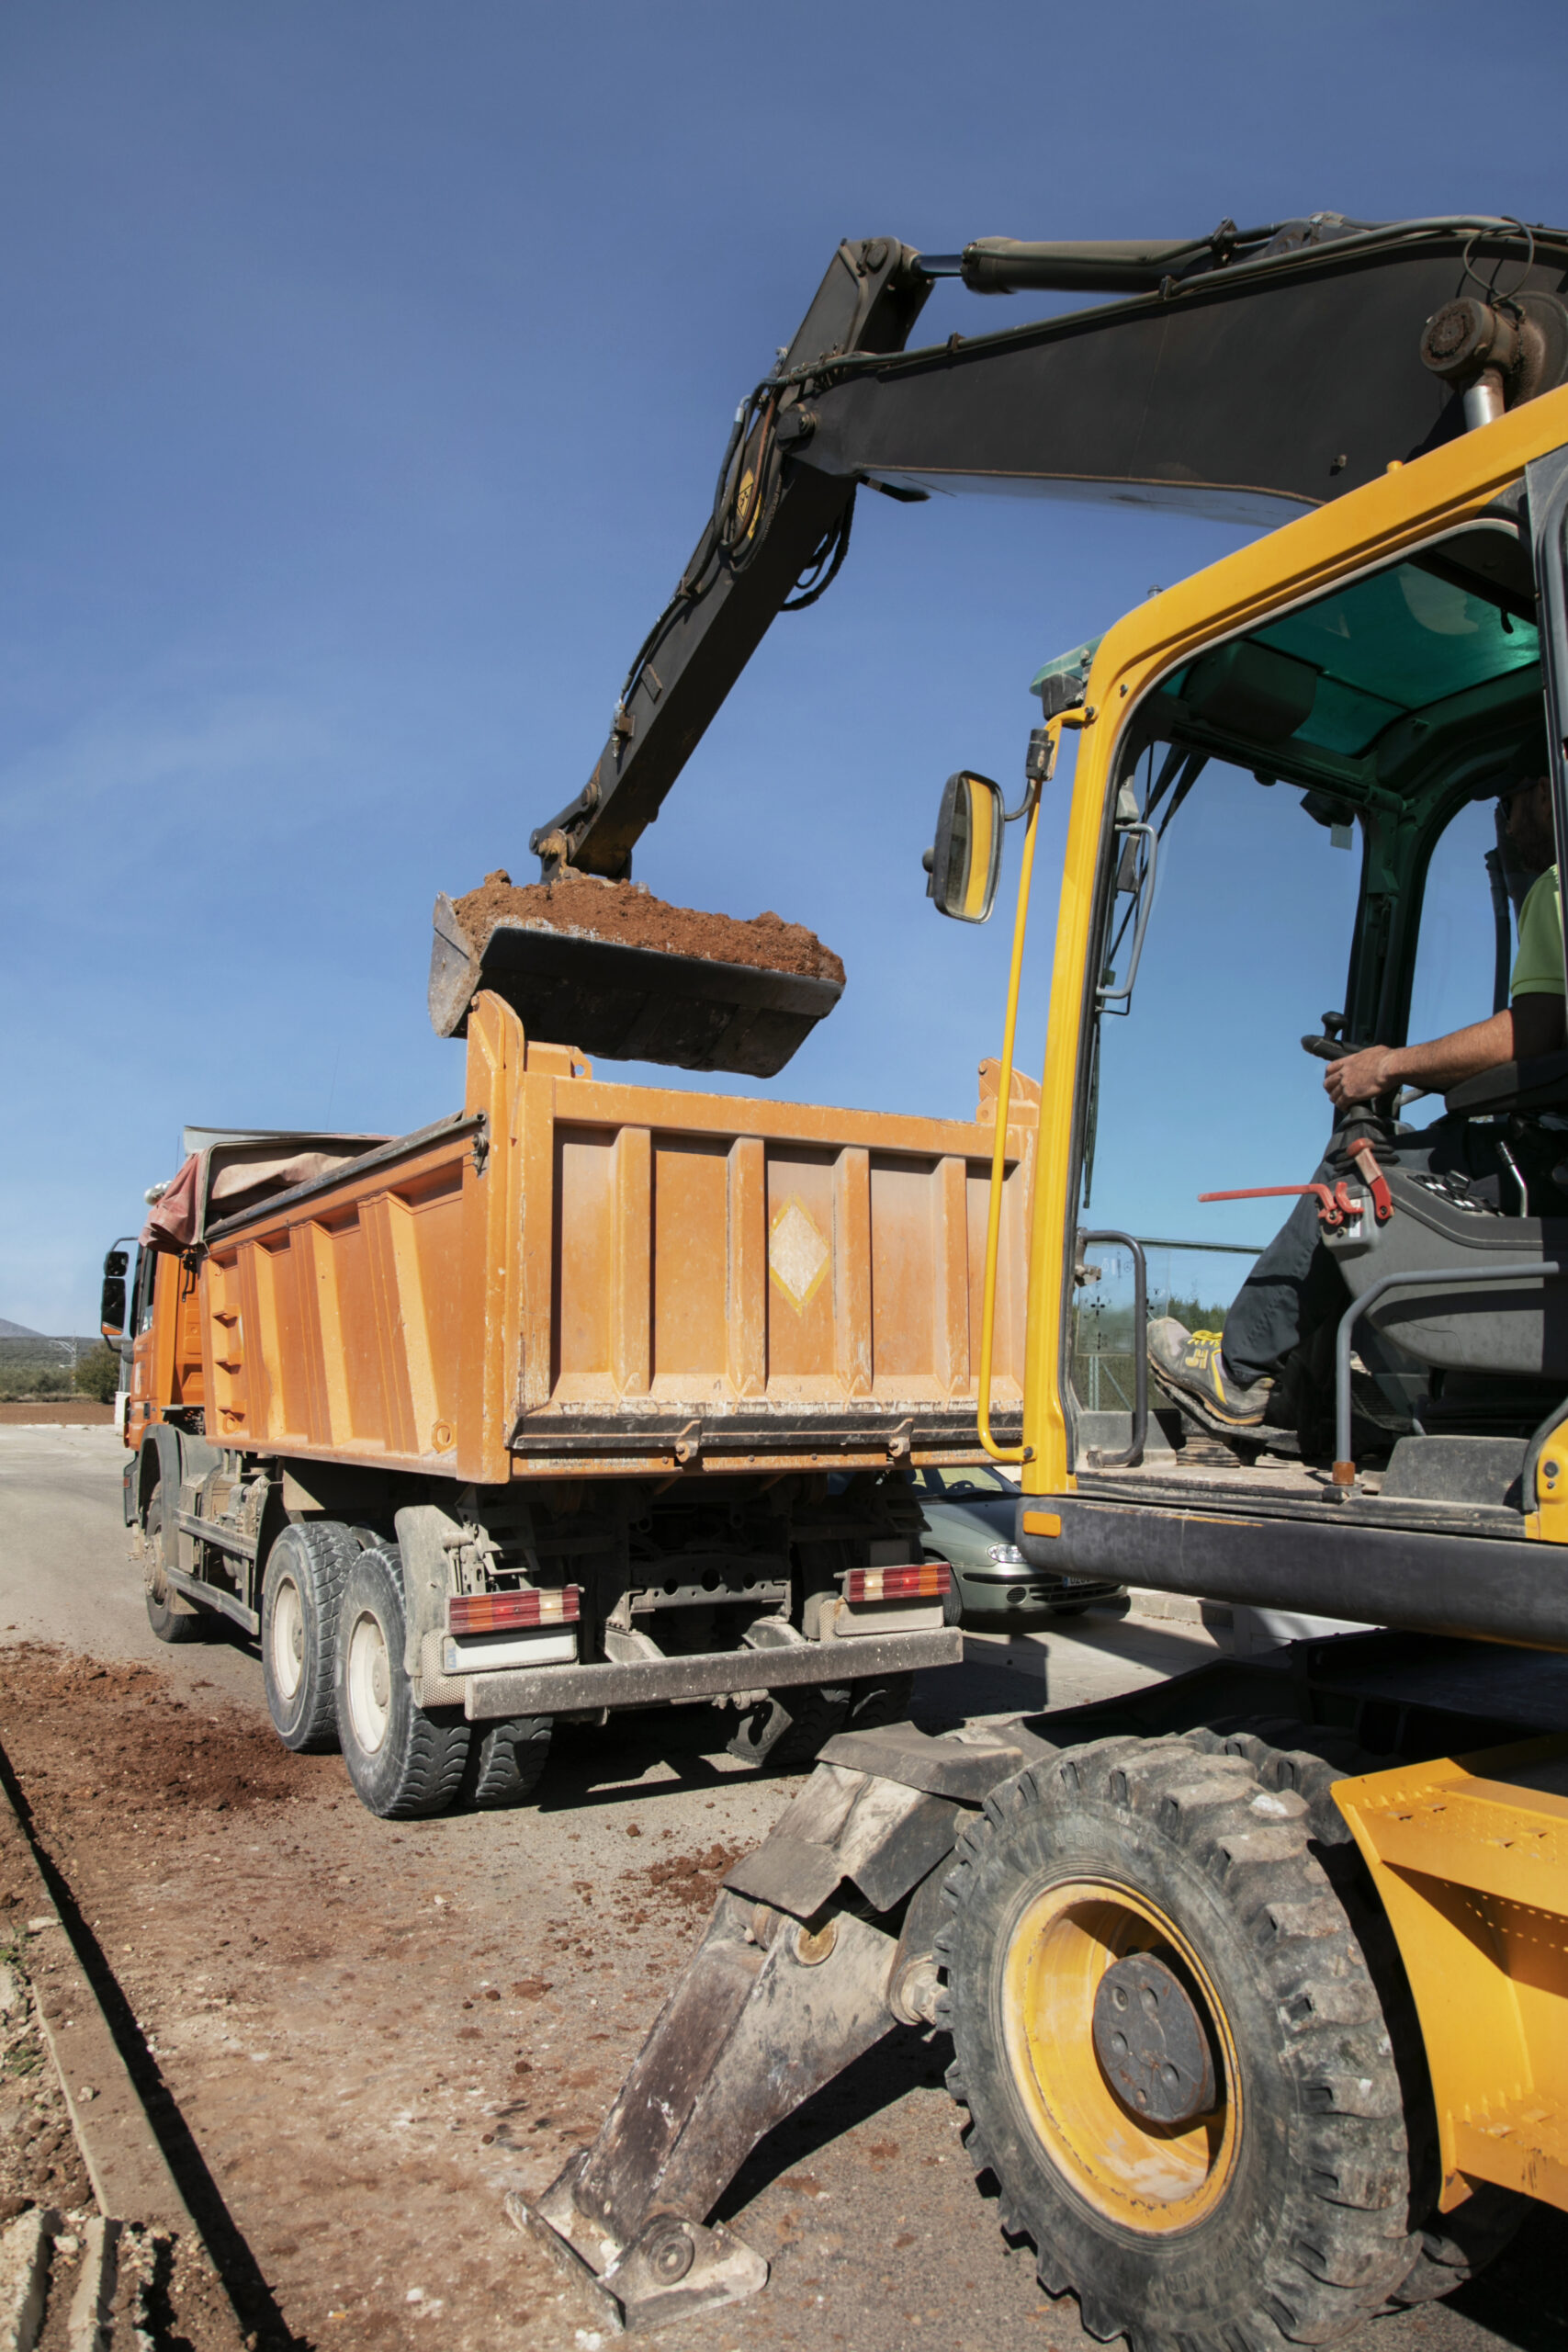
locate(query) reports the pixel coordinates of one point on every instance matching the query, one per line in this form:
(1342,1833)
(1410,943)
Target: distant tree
(98,1373)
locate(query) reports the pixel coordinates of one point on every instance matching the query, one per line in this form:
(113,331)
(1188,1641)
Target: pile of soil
(150,1754)
(628,914)
(689,1881)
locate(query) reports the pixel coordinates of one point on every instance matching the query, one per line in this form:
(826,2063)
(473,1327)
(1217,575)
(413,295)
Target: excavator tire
(404,1763)
(1248,2183)
(306,1569)
(1453,2247)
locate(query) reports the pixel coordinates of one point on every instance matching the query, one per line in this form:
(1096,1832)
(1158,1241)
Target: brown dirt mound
(689,1881)
(628,914)
(161,1756)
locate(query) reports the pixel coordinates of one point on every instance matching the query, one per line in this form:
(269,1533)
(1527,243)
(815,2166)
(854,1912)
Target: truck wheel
(305,1572)
(506,1762)
(1174,2053)
(171,1616)
(403,1761)
(872,1704)
(1453,2247)
(787,1732)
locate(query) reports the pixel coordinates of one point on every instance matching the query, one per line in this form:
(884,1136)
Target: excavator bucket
(624,1002)
(821,1941)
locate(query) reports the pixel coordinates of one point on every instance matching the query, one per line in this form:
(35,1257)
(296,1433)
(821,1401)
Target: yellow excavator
(1256,1981)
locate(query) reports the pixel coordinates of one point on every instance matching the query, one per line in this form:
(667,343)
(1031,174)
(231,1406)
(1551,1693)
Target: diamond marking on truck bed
(797,1255)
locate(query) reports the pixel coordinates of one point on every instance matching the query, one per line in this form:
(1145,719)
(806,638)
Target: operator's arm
(1532,1025)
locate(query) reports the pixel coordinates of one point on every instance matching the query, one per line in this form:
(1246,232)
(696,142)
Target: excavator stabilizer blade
(790,1984)
(627,1004)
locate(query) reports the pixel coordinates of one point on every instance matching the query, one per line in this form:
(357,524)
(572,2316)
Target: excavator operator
(1237,1380)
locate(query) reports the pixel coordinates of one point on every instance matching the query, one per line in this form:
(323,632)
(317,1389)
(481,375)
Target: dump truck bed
(575,1276)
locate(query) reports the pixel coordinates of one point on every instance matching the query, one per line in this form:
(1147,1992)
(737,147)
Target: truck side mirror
(111,1306)
(964,863)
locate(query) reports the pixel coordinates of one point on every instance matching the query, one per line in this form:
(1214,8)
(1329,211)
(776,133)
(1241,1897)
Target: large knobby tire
(786,1731)
(1278,2214)
(403,1762)
(506,1762)
(1453,2247)
(306,1570)
(171,1616)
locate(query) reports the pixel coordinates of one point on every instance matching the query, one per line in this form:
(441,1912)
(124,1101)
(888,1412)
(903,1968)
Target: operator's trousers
(1295,1287)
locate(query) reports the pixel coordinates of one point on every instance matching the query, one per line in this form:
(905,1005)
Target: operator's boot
(1191,1367)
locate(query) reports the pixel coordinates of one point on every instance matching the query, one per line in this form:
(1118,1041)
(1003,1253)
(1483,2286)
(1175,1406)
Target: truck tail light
(498,1612)
(924,1580)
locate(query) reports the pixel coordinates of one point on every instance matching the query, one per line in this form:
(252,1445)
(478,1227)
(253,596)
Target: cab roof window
(1393,644)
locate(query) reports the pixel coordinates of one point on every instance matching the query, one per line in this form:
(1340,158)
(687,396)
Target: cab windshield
(1305,845)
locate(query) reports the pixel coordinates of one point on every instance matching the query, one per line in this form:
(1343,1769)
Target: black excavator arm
(1250,373)
(1245,374)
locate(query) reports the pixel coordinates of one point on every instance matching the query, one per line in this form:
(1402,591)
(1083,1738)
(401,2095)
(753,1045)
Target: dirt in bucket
(626,913)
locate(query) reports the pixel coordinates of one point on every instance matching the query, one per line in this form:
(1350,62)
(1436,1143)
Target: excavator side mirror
(964,863)
(111,1306)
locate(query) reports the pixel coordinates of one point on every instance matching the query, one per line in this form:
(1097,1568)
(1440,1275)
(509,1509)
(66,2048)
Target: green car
(970,1517)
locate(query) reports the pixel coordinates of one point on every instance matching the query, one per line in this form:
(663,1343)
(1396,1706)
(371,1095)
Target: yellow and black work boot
(1190,1366)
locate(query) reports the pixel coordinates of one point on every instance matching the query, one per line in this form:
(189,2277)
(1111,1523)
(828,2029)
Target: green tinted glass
(1394,644)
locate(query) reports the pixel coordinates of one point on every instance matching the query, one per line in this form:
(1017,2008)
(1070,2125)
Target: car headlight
(1006,1556)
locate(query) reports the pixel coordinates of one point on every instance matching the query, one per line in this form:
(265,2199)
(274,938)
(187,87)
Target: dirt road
(373,2032)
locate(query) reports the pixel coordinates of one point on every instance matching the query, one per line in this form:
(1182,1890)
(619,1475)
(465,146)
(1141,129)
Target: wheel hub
(1151,2042)
(1126,2161)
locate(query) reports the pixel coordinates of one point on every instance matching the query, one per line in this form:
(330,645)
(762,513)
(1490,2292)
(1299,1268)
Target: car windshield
(970,1486)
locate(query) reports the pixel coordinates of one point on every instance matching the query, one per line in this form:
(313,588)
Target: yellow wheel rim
(1151,2178)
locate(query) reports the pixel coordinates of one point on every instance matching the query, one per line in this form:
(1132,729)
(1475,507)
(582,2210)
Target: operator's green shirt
(1538,967)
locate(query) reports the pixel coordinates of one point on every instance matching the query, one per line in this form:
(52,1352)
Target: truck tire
(786,1734)
(171,1616)
(886,1699)
(1271,2206)
(506,1762)
(404,1762)
(1453,2247)
(306,1569)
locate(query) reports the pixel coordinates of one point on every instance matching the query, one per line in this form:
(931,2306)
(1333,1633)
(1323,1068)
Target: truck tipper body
(631,1377)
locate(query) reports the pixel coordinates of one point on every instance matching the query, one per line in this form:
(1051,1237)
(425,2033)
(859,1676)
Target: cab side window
(146,1279)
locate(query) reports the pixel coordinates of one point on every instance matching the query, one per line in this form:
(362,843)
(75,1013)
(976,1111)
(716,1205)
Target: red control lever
(1376,1182)
(1333,1207)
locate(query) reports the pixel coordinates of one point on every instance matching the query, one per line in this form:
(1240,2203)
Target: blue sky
(364,373)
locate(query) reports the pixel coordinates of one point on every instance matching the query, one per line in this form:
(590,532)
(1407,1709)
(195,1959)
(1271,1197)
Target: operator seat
(1518,1328)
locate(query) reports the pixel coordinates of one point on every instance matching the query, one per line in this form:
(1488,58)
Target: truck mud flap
(791,1983)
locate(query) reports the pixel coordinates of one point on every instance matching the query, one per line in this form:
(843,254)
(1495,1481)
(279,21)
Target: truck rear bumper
(563,1690)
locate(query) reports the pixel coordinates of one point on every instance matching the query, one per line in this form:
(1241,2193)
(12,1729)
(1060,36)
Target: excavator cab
(1382,718)
(1296,809)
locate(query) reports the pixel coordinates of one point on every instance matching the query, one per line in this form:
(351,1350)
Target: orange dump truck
(589,1397)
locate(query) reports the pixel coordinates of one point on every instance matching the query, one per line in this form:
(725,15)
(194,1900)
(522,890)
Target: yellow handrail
(1004,1095)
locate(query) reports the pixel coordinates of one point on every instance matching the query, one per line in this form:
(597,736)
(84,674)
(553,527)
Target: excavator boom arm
(1265,370)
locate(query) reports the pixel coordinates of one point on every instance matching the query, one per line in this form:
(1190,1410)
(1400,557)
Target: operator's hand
(1356,1077)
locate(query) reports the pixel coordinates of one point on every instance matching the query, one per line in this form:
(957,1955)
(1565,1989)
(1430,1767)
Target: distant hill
(18,1331)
